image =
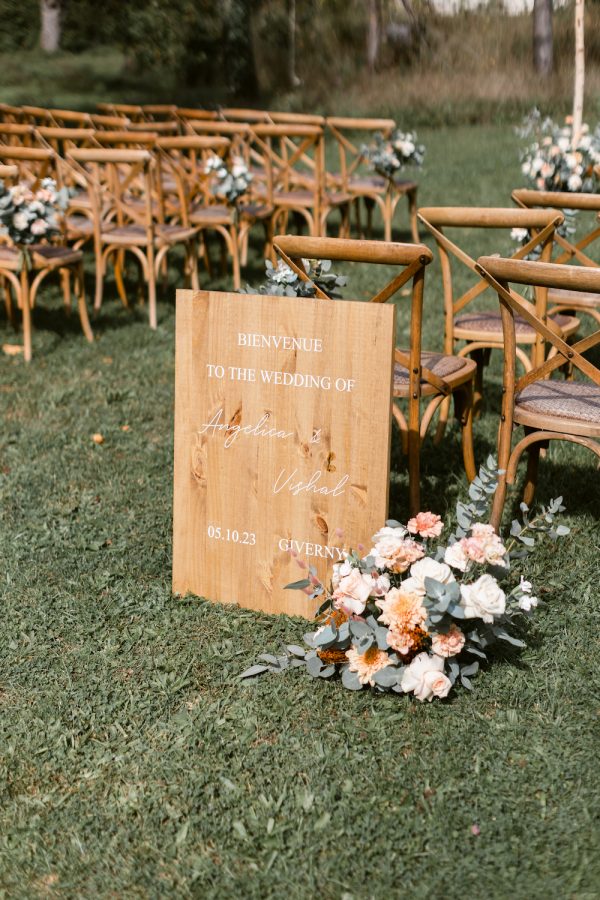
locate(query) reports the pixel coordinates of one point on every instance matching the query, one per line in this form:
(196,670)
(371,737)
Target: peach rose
(425,677)
(395,552)
(427,524)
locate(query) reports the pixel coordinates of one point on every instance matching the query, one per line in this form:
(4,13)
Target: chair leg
(26,307)
(193,264)
(6,286)
(358,217)
(370,205)
(463,405)
(412,212)
(533,458)
(65,278)
(414,472)
(482,358)
(99,285)
(152,289)
(81,304)
(442,421)
(235,260)
(119,263)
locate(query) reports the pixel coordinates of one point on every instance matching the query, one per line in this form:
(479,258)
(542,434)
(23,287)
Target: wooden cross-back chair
(17,134)
(25,280)
(125,139)
(10,114)
(157,112)
(164,127)
(561,300)
(293,185)
(480,330)
(135,222)
(109,123)
(183,161)
(132,111)
(418,374)
(547,409)
(361,182)
(37,115)
(71,118)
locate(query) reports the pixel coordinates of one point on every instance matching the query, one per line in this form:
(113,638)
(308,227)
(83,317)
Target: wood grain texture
(328,431)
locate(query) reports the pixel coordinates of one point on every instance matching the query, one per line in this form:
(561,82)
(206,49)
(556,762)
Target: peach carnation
(367,664)
(427,524)
(401,610)
(449,644)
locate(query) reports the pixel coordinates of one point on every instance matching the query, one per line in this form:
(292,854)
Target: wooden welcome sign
(282,441)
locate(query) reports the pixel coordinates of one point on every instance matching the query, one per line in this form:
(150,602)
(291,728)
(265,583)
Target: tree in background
(374,34)
(543,42)
(579,70)
(50,25)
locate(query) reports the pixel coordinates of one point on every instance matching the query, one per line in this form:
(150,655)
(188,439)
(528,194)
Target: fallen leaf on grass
(12,349)
(125,428)
(98,438)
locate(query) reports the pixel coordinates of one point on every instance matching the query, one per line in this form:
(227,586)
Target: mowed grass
(135,764)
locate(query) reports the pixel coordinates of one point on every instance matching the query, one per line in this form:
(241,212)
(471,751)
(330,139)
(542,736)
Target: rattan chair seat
(137,235)
(453,369)
(212,215)
(42,256)
(489,324)
(552,405)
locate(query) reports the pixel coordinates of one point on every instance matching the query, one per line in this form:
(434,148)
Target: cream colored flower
(430,568)
(456,557)
(367,664)
(448,644)
(395,552)
(484,599)
(353,591)
(425,677)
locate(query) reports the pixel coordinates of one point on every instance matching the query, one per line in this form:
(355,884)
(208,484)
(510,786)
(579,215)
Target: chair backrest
(132,111)
(238,133)
(156,112)
(33,163)
(62,139)
(499,274)
(250,116)
(10,113)
(170,126)
(141,140)
(17,134)
(412,257)
(126,176)
(350,135)
(37,115)
(564,200)
(188,114)
(109,123)
(541,225)
(66,118)
(183,158)
(293,157)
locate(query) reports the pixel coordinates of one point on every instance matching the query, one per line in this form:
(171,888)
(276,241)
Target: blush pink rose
(352,593)
(449,644)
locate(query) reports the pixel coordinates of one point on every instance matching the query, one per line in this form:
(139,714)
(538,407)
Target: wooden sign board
(282,441)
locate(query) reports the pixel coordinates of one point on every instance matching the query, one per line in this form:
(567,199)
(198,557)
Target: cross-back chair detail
(480,331)
(547,409)
(25,279)
(559,300)
(361,183)
(417,374)
(135,221)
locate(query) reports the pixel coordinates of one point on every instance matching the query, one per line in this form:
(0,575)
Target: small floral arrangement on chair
(282,281)
(415,615)
(388,156)
(30,217)
(230,183)
(552,162)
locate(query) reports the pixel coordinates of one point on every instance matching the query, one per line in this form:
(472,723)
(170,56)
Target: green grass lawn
(133,762)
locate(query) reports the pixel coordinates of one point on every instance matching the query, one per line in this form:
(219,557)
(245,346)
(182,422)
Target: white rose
(527,603)
(526,586)
(575,183)
(429,568)
(519,234)
(20,221)
(425,677)
(39,227)
(456,557)
(340,570)
(484,599)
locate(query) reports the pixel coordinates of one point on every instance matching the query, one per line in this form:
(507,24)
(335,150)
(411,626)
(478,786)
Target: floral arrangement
(230,183)
(388,156)
(29,217)
(551,162)
(282,281)
(417,615)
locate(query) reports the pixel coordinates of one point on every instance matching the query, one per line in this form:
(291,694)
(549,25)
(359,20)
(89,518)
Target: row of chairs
(548,409)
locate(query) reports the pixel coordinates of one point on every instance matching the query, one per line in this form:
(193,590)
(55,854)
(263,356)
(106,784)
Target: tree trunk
(374,35)
(50,25)
(293,78)
(579,71)
(543,42)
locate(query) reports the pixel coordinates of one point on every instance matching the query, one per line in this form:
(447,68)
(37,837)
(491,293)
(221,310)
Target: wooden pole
(579,71)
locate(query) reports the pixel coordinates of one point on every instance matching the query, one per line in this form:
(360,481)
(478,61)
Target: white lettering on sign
(233,431)
(307,548)
(309,487)
(280,342)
